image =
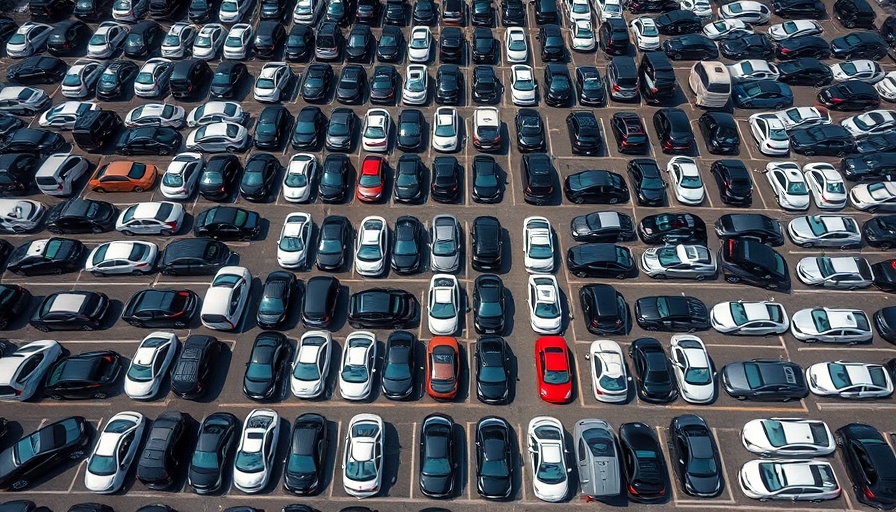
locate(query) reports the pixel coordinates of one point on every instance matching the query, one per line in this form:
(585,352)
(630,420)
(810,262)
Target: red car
(371,179)
(442,367)
(554,373)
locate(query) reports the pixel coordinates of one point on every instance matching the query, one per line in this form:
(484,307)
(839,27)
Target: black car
(309,124)
(595,186)
(488,304)
(116,80)
(695,456)
(300,42)
(92,10)
(885,318)
(584,132)
(877,143)
(367,11)
(803,46)
(749,226)
(754,263)
(673,313)
(529,130)
(590,86)
(484,46)
(887,30)
(316,84)
(227,222)
(200,11)
(553,48)
(482,13)
(271,9)
(193,257)
(602,227)
(86,375)
(32,140)
(538,178)
(602,260)
(487,245)
(161,308)
(407,247)
(487,180)
(273,127)
(309,441)
(672,228)
(880,231)
(764,379)
(37,69)
(486,87)
(446,176)
(678,22)
(869,167)
(648,181)
(719,131)
(801,9)
(275,300)
(513,13)
(643,463)
(409,132)
(394,13)
(451,45)
(829,140)
(53,256)
(334,178)
(674,130)
(76,215)
(399,365)
(319,301)
(190,372)
(160,459)
(653,373)
(52,445)
(558,85)
(437,458)
(357,46)
(143,39)
(734,182)
(425,12)
(854,13)
(449,85)
(219,176)
(391,44)
(67,311)
(753,46)
(804,71)
(613,36)
(494,458)
(340,130)
(148,140)
(409,181)
(382,308)
(762,94)
(66,37)
(859,45)
(217,441)
(265,366)
(268,38)
(14,299)
(258,178)
(690,47)
(384,86)
(492,370)
(870,464)
(350,87)
(605,310)
(227,78)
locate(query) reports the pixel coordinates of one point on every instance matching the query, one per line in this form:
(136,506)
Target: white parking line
(523,457)
(825,347)
(874,406)
(413,458)
(471,458)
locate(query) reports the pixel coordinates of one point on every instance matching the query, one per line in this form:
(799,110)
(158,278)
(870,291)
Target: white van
(711,84)
(58,174)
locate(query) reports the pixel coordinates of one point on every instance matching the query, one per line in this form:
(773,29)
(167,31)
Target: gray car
(23,100)
(444,236)
(599,463)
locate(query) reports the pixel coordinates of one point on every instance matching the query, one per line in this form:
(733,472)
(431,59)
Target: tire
(732,279)
(742,398)
(18,485)
(138,189)
(701,278)
(100,396)
(166,232)
(230,149)
(180,325)
(100,190)
(97,274)
(42,328)
(885,246)
(97,229)
(127,233)
(87,328)
(809,152)
(77,454)
(579,200)
(849,24)
(807,245)
(55,397)
(676,56)
(613,200)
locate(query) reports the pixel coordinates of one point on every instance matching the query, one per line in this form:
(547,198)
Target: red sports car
(554,373)
(370,179)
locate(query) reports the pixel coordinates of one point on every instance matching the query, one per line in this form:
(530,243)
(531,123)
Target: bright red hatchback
(370,180)
(554,372)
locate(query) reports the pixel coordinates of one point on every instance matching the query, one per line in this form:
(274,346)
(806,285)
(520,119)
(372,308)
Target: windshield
(698,376)
(143,78)
(442,310)
(249,462)
(139,373)
(103,465)
(72,80)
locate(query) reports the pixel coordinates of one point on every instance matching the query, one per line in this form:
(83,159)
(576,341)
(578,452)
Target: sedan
(538,246)
(747,11)
(826,185)
(749,318)
(849,380)
(358,366)
(216,438)
(81,79)
(295,238)
(547,456)
(646,34)
(869,461)
(399,366)
(695,456)
(375,131)
(693,369)
(830,325)
(788,437)
(445,246)
(803,117)
(156,114)
(148,140)
(726,29)
(254,459)
(107,39)
(446,130)
(494,458)
(150,364)
(764,379)
(272,82)
(437,459)
(825,231)
(843,272)
(523,86)
(111,258)
(545,310)
(115,450)
(552,365)
(770,135)
(444,304)
(362,461)
(516,48)
(306,459)
(653,372)
(762,94)
(751,70)
(161,308)
(179,40)
(264,368)
(864,70)
(671,313)
(209,41)
(643,462)
(609,376)
(794,28)
(419,44)
(788,185)
(686,181)
(874,197)
(311,364)
(809,480)
(219,137)
(679,261)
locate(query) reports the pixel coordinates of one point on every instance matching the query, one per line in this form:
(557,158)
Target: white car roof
(522,72)
(487,116)
(148,110)
(270,69)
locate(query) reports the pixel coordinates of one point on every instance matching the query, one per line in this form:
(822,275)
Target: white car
(609,376)
(577,10)
(870,123)
(419,44)
(216,112)
(306,12)
(445,242)
(113,258)
(375,130)
(692,368)
(770,135)
(791,480)
(372,247)
(30,38)
(358,366)
(311,365)
(209,41)
(825,231)
(545,311)
(416,85)
(794,28)
(272,81)
(179,40)
(20,215)
(608,9)
(150,364)
(299,178)
(218,138)
(522,85)
(238,41)
(839,272)
(750,70)
(70,168)
(748,11)
(295,237)
(22,372)
(107,39)
(129,10)
(445,130)
(863,70)
(725,30)
(152,80)
(225,299)
(64,115)
(761,318)
(582,35)
(874,197)
(788,437)
(81,78)
(849,380)
(547,456)
(151,218)
(538,240)
(254,459)
(232,11)
(155,114)
(362,460)
(115,450)
(788,185)
(826,185)
(887,87)
(646,35)
(699,7)
(831,325)
(686,181)
(803,117)
(683,261)
(516,49)
(180,178)
(444,305)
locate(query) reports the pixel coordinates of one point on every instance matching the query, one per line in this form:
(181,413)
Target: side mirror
(587,356)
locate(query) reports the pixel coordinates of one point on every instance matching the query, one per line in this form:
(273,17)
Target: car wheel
(86,327)
(126,232)
(166,232)
(97,229)
(18,230)
(809,152)
(850,247)
(97,274)
(138,189)
(77,454)
(42,328)
(101,190)
(180,325)
(701,278)
(659,276)
(676,56)
(580,274)
(849,23)
(732,279)
(885,245)
(18,485)
(651,329)
(807,245)
(231,149)
(614,200)
(55,397)
(99,395)
(741,398)
(579,200)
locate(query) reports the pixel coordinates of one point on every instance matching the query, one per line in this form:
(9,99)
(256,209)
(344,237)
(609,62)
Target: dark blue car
(762,94)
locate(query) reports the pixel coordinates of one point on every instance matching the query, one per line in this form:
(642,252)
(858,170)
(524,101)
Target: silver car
(29,39)
(445,242)
(679,261)
(842,272)
(219,137)
(20,215)
(25,101)
(825,231)
(598,458)
(179,40)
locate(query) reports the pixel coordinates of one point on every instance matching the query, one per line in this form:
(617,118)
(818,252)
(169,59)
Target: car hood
(302,483)
(397,386)
(735,377)
(492,391)
(256,388)
(437,484)
(7,464)
(703,484)
(405,261)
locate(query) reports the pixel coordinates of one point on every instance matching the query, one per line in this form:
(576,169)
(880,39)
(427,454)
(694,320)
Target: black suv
(613,36)
(189,375)
(538,178)
(854,14)
(487,244)
(605,310)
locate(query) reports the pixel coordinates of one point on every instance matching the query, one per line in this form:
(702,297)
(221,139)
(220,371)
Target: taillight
(616,88)
(632,490)
(837,100)
(868,493)
(171,224)
(784,51)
